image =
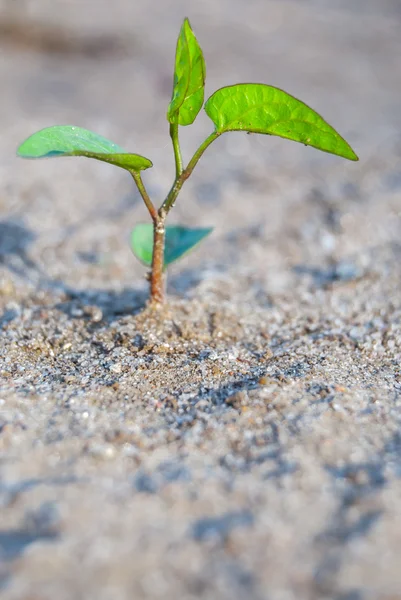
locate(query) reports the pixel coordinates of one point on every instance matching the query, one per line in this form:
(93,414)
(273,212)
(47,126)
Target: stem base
(157,278)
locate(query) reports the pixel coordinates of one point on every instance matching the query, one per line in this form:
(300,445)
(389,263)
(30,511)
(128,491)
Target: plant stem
(177,150)
(179,181)
(157,279)
(157,284)
(145,196)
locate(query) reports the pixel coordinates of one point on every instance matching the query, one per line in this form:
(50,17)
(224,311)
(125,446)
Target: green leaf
(66,140)
(189,78)
(260,108)
(179,241)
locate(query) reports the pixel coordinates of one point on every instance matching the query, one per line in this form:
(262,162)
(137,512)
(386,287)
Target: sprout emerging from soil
(249,107)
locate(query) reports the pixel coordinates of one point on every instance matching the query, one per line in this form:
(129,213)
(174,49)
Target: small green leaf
(260,108)
(179,241)
(66,140)
(189,78)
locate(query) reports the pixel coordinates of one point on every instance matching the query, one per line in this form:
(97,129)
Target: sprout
(249,107)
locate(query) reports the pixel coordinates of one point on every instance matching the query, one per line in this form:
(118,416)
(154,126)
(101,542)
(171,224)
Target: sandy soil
(245,443)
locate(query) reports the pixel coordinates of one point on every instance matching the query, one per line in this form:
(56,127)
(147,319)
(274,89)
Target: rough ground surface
(247,443)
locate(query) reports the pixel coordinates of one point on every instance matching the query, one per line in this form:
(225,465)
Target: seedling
(249,107)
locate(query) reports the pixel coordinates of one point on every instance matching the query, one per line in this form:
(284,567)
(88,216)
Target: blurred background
(276,205)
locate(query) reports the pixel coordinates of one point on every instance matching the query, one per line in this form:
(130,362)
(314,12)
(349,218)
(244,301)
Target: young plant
(249,107)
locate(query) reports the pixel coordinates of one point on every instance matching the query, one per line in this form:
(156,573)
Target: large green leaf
(189,78)
(260,108)
(179,241)
(66,140)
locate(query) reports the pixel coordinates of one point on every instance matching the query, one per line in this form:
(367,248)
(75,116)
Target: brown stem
(157,279)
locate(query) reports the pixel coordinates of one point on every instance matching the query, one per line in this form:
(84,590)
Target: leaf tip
(21,152)
(149,164)
(349,153)
(354,156)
